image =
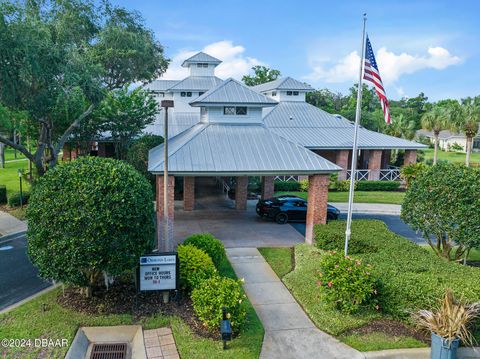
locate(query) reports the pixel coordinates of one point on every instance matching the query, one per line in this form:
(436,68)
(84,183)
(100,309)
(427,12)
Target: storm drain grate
(109,351)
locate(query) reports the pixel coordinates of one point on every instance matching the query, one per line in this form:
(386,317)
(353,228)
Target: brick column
(268,188)
(317,204)
(374,164)
(164,244)
(410,157)
(341,160)
(67,155)
(188,193)
(241,192)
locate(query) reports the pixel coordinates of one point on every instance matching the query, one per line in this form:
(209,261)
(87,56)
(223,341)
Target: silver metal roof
(285,83)
(196,83)
(177,123)
(314,128)
(160,85)
(232,92)
(225,149)
(201,57)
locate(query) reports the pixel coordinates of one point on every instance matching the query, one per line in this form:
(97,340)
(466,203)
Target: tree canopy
(261,75)
(60,57)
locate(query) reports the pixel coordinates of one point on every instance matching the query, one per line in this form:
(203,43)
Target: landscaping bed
(410,278)
(55,317)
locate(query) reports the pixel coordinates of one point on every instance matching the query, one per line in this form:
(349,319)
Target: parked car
(289,208)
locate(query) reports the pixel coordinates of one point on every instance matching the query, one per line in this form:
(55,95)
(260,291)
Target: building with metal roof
(201,58)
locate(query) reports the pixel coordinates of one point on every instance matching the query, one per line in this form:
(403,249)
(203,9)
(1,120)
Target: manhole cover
(109,351)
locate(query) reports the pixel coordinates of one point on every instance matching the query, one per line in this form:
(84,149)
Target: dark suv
(289,208)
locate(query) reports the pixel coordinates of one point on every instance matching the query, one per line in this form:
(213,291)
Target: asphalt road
(18,277)
(393,222)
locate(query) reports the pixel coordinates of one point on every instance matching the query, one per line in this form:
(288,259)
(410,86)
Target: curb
(8,237)
(419,353)
(33,296)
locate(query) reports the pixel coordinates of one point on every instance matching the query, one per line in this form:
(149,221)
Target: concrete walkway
(289,333)
(9,224)
(374,208)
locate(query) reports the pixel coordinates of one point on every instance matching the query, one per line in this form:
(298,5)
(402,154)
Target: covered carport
(238,150)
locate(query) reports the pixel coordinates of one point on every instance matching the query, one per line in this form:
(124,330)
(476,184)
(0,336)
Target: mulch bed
(392,328)
(122,298)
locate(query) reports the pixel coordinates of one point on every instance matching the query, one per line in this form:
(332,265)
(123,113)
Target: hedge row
(341,186)
(411,278)
(14,199)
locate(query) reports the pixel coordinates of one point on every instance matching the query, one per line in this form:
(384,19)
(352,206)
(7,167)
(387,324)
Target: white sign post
(158,271)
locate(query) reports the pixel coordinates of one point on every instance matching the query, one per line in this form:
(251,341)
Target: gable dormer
(284,89)
(201,64)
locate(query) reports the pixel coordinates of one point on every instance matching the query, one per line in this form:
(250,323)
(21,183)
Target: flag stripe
(372,74)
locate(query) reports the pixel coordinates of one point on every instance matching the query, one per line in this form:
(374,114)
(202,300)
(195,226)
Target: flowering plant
(346,282)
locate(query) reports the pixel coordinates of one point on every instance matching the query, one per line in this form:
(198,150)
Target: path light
(225,328)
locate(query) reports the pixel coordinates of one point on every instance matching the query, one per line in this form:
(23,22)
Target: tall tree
(401,126)
(466,119)
(59,57)
(261,75)
(125,114)
(436,120)
(331,102)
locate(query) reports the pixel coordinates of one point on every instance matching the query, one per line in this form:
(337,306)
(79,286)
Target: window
(183,94)
(274,93)
(161,94)
(289,93)
(189,94)
(229,110)
(241,110)
(204,65)
(295,93)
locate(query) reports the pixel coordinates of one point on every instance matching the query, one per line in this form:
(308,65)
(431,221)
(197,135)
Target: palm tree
(401,127)
(436,120)
(466,119)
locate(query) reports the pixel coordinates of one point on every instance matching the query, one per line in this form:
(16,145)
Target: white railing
(360,175)
(286,178)
(392,174)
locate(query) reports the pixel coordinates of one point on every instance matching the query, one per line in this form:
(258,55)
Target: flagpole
(355,140)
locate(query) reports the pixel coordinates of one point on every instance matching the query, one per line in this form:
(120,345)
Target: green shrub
(284,186)
(344,186)
(304,185)
(89,216)
(332,238)
(411,278)
(137,154)
(378,185)
(209,244)
(411,171)
(216,293)
(195,266)
(3,195)
(14,199)
(347,283)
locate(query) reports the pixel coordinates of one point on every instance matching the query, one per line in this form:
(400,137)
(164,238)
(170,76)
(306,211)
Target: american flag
(372,74)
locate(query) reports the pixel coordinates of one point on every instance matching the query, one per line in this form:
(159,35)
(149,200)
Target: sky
(421,46)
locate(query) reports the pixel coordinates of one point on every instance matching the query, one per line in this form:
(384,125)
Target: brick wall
(268,189)
(241,192)
(342,160)
(317,204)
(188,193)
(410,157)
(374,164)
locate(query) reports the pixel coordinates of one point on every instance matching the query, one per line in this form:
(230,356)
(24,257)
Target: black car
(289,208)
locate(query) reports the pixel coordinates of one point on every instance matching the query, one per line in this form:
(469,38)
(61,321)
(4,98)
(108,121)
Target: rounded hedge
(196,266)
(209,244)
(216,293)
(88,216)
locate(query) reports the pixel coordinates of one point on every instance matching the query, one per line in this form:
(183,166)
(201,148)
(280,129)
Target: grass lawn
(57,322)
(360,196)
(412,279)
(451,156)
(9,176)
(280,259)
(10,154)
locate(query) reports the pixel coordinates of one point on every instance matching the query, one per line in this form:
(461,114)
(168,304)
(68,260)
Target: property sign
(158,271)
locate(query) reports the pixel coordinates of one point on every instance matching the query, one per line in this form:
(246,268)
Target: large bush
(347,283)
(411,278)
(216,293)
(444,202)
(209,244)
(88,216)
(195,266)
(378,185)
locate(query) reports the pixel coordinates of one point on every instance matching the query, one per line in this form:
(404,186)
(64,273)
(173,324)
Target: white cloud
(234,63)
(391,65)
